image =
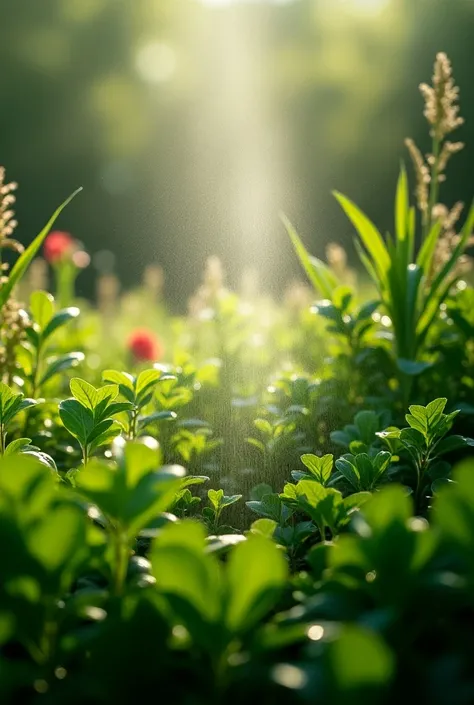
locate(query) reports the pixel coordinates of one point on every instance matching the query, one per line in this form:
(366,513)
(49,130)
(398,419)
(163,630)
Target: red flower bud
(59,246)
(145,346)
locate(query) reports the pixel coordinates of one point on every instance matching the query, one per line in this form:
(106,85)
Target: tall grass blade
(319,274)
(368,233)
(22,263)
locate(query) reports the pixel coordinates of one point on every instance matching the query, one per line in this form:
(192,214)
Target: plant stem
(121,560)
(133,424)
(434,186)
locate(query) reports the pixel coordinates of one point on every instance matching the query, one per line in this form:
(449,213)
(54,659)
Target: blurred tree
(190,127)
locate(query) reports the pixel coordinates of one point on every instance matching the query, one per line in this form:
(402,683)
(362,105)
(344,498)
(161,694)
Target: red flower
(59,246)
(144,345)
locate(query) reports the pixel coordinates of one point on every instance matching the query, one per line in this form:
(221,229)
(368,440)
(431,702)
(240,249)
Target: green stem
(133,424)
(3,439)
(121,561)
(66,274)
(434,186)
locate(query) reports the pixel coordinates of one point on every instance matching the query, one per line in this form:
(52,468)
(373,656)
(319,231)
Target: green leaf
(428,249)
(402,207)
(90,397)
(122,379)
(23,262)
(369,235)
(359,662)
(17,445)
(265,568)
(58,539)
(453,443)
(320,468)
(60,320)
(59,364)
(412,368)
(367,424)
(319,274)
(78,420)
(215,498)
(144,421)
(348,471)
(231,499)
(12,404)
(145,381)
(263,527)
(42,307)
(181,567)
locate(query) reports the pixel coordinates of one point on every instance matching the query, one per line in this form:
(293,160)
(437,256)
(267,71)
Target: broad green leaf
(359,661)
(144,421)
(138,461)
(320,467)
(59,320)
(122,379)
(108,431)
(231,499)
(367,424)
(78,420)
(90,397)
(388,506)
(182,567)
(17,445)
(145,381)
(84,393)
(412,368)
(264,527)
(453,443)
(42,307)
(215,497)
(265,568)
(57,540)
(154,493)
(348,471)
(23,262)
(59,364)
(15,405)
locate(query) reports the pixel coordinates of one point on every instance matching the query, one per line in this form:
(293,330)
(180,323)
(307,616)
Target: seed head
(441,99)
(422,173)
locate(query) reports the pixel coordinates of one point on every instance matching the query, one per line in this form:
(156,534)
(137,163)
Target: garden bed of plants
(258,502)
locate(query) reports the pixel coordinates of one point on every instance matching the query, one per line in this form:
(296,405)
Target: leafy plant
(25,259)
(317,468)
(218,501)
(128,497)
(324,505)
(11,405)
(138,391)
(425,441)
(40,367)
(89,415)
(363,472)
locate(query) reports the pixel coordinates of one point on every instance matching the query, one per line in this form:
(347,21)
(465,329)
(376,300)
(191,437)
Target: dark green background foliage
(275,103)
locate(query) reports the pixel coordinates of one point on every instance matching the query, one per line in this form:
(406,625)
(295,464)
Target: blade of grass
(22,263)
(318,273)
(426,254)
(433,298)
(368,233)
